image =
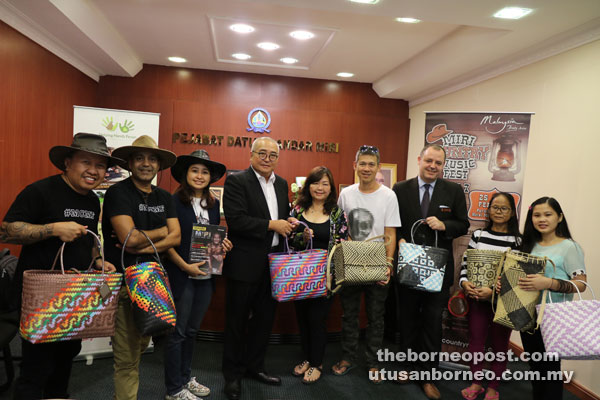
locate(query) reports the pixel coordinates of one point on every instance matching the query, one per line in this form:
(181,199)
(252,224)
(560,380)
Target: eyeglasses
(503,209)
(368,149)
(263,155)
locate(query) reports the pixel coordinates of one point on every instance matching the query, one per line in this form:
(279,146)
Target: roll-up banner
(485,154)
(120,128)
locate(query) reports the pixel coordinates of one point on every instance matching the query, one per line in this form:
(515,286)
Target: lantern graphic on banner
(505,159)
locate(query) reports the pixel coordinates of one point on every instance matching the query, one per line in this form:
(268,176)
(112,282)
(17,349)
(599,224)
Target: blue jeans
(191,306)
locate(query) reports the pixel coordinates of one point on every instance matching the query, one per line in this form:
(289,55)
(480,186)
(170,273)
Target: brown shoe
(431,391)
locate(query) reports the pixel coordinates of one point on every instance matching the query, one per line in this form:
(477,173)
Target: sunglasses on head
(370,149)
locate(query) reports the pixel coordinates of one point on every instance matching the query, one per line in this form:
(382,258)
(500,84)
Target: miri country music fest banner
(485,154)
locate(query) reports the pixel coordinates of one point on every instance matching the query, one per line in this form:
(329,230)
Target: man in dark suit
(442,204)
(256,208)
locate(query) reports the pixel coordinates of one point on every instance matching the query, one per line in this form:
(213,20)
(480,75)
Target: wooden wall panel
(217,103)
(37,94)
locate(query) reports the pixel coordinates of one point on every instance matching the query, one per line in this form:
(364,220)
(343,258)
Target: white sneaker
(183,394)
(196,388)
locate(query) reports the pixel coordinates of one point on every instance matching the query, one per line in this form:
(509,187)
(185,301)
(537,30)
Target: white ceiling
(458,43)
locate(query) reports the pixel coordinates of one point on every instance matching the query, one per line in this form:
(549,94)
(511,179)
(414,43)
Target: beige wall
(564,151)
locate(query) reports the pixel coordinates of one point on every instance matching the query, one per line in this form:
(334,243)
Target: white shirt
(369,213)
(268,188)
(199,210)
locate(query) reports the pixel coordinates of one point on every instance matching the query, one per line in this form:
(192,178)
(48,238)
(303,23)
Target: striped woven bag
(571,329)
(150,294)
(60,306)
(298,275)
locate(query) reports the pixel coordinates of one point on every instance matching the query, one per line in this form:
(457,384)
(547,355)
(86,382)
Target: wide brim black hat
(145,143)
(86,142)
(178,171)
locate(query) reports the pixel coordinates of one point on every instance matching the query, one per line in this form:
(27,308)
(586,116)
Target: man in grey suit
(443,207)
(256,207)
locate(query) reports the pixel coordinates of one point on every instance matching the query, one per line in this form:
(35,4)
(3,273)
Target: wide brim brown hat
(145,143)
(86,142)
(178,171)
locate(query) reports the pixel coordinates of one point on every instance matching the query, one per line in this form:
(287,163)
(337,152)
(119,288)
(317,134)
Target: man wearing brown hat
(135,202)
(46,213)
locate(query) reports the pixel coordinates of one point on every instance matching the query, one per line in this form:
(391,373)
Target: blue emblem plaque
(259,120)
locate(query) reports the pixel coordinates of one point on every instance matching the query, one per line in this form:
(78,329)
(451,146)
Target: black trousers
(311,315)
(421,324)
(46,369)
(542,389)
(249,314)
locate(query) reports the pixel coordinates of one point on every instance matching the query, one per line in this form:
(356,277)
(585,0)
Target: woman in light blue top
(547,234)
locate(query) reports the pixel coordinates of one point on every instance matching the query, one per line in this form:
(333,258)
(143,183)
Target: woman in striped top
(501,233)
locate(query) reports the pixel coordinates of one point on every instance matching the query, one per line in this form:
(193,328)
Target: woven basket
(516,307)
(60,306)
(482,266)
(150,293)
(297,275)
(357,263)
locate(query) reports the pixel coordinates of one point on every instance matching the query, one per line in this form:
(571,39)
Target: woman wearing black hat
(192,295)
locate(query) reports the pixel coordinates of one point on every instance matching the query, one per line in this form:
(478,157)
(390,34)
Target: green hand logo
(126,126)
(108,124)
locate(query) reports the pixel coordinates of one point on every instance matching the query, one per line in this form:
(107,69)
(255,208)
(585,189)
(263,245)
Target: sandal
(309,373)
(378,380)
(493,396)
(301,368)
(342,368)
(471,394)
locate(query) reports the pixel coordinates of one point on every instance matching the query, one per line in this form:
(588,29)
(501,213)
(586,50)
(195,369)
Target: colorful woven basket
(298,275)
(60,306)
(150,293)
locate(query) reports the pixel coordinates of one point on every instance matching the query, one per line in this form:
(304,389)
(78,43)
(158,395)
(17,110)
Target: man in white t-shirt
(372,210)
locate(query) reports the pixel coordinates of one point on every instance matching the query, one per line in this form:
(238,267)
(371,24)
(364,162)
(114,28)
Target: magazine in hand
(207,245)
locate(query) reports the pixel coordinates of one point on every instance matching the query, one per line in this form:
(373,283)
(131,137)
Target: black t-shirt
(52,200)
(148,211)
(320,233)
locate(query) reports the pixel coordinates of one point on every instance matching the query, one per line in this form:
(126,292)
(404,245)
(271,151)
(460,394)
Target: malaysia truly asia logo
(259,120)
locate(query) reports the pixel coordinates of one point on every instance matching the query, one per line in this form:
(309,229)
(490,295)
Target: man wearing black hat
(135,202)
(46,213)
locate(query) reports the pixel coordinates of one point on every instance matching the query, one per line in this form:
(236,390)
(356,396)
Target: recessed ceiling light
(177,59)
(302,35)
(345,74)
(407,20)
(268,46)
(512,12)
(288,60)
(365,1)
(241,56)
(241,28)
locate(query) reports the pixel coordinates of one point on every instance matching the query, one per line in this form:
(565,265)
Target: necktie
(425,201)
